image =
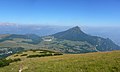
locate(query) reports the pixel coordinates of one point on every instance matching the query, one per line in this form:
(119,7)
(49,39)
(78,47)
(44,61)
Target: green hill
(35,39)
(90,62)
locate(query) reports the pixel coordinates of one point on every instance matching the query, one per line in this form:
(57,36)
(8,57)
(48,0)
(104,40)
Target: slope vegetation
(90,62)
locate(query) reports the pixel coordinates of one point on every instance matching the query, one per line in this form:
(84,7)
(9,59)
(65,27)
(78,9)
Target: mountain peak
(76,29)
(74,33)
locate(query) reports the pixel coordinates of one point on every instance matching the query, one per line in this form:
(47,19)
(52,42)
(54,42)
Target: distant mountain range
(9,28)
(105,32)
(73,40)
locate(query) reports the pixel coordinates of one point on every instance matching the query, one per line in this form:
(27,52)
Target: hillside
(76,34)
(12,43)
(90,62)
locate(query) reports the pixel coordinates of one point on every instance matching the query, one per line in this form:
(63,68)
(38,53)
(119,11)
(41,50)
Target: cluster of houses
(5,53)
(48,38)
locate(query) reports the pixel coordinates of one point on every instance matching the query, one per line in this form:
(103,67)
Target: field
(90,62)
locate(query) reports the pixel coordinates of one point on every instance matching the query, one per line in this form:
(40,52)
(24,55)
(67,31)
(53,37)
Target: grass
(90,62)
(34,53)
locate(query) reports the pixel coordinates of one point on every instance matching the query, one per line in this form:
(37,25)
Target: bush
(4,62)
(48,51)
(43,52)
(10,60)
(43,55)
(16,60)
(24,55)
(58,54)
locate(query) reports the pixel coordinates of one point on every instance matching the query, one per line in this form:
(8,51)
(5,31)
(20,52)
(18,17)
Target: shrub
(10,60)
(31,56)
(17,59)
(33,50)
(58,54)
(43,52)
(43,55)
(24,55)
(4,62)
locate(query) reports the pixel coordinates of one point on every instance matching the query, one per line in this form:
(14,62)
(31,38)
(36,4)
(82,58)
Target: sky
(61,12)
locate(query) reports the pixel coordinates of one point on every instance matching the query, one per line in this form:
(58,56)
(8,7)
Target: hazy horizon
(43,30)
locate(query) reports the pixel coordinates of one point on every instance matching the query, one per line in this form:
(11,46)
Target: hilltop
(90,62)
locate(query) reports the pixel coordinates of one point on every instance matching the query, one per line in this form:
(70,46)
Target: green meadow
(89,62)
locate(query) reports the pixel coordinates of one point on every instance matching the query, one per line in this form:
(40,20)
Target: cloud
(7,24)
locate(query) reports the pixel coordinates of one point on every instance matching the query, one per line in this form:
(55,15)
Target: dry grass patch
(91,62)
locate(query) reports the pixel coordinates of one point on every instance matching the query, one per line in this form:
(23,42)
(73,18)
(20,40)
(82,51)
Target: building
(48,38)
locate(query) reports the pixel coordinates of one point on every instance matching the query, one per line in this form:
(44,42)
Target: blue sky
(61,12)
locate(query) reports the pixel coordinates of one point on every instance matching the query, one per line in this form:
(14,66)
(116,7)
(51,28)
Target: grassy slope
(91,62)
(18,43)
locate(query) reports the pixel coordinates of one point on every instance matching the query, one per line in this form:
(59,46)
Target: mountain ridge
(73,40)
(76,34)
